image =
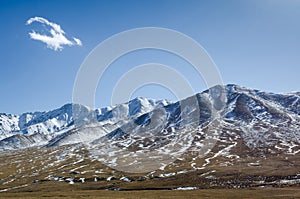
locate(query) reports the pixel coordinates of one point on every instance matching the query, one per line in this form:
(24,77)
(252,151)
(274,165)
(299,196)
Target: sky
(254,43)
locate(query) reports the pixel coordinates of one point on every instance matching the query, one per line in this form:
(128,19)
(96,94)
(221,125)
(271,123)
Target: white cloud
(58,37)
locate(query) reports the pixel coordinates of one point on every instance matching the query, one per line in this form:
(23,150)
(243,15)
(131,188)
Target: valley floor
(68,172)
(205,193)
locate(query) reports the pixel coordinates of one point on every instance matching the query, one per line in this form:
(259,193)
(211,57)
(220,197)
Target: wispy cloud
(77,41)
(57,38)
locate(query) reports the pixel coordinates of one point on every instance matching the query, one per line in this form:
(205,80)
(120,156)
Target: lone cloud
(57,37)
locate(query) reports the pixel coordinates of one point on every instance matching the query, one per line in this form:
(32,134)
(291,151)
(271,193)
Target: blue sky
(254,43)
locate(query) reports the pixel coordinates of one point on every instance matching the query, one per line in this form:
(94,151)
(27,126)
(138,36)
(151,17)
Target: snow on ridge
(246,106)
(62,120)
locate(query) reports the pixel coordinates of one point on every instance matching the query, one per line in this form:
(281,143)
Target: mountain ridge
(58,121)
(50,128)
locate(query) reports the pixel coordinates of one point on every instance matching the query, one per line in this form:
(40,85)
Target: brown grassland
(205,193)
(25,166)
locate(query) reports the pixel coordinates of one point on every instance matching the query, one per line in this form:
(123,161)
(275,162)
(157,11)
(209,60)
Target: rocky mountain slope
(264,119)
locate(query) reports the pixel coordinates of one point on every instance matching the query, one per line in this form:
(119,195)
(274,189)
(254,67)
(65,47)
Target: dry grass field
(206,193)
(272,178)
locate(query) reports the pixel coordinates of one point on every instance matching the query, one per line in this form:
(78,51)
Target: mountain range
(252,111)
(217,138)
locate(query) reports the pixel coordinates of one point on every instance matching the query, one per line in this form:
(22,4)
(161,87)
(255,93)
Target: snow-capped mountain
(259,122)
(38,128)
(260,118)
